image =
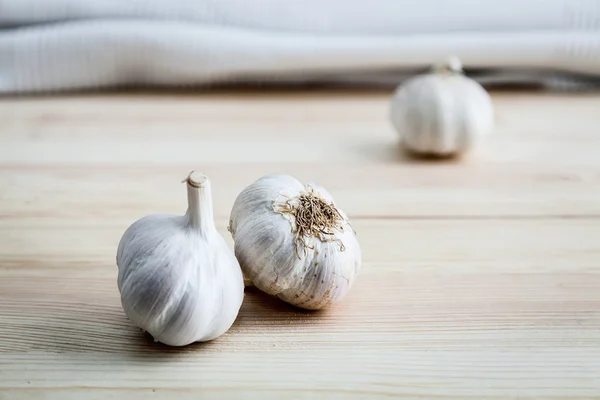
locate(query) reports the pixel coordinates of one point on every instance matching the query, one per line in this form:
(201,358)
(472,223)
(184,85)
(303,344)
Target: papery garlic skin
(178,279)
(442,113)
(265,245)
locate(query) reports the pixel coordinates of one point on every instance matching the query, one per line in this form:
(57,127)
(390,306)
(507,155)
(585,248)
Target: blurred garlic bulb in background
(178,279)
(443,112)
(293,242)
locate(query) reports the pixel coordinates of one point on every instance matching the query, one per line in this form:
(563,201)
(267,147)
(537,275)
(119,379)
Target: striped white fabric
(48,45)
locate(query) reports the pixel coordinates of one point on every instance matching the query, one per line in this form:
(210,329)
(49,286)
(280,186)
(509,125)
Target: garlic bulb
(293,242)
(442,113)
(178,279)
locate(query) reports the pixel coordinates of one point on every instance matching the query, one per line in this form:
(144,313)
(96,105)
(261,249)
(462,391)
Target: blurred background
(57,45)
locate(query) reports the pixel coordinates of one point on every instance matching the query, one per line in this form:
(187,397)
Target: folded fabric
(385,17)
(81,44)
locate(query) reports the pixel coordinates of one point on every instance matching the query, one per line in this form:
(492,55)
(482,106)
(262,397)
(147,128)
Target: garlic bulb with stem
(178,278)
(293,242)
(442,113)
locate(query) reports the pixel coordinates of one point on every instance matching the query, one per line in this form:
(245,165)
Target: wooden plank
(480,278)
(72,196)
(133,130)
(439,308)
(473,374)
(456,245)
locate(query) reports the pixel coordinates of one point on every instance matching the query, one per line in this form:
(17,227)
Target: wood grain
(481,276)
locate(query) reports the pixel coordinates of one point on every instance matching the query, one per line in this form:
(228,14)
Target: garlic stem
(451,66)
(200,211)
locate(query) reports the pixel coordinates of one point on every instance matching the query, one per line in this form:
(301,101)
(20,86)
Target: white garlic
(443,112)
(178,279)
(293,242)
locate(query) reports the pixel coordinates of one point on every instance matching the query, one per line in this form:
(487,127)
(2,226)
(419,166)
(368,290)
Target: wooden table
(481,276)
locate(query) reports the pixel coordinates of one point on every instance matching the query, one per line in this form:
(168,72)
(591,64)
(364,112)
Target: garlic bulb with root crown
(178,279)
(293,242)
(442,113)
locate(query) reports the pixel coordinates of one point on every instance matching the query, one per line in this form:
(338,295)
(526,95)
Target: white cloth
(48,45)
